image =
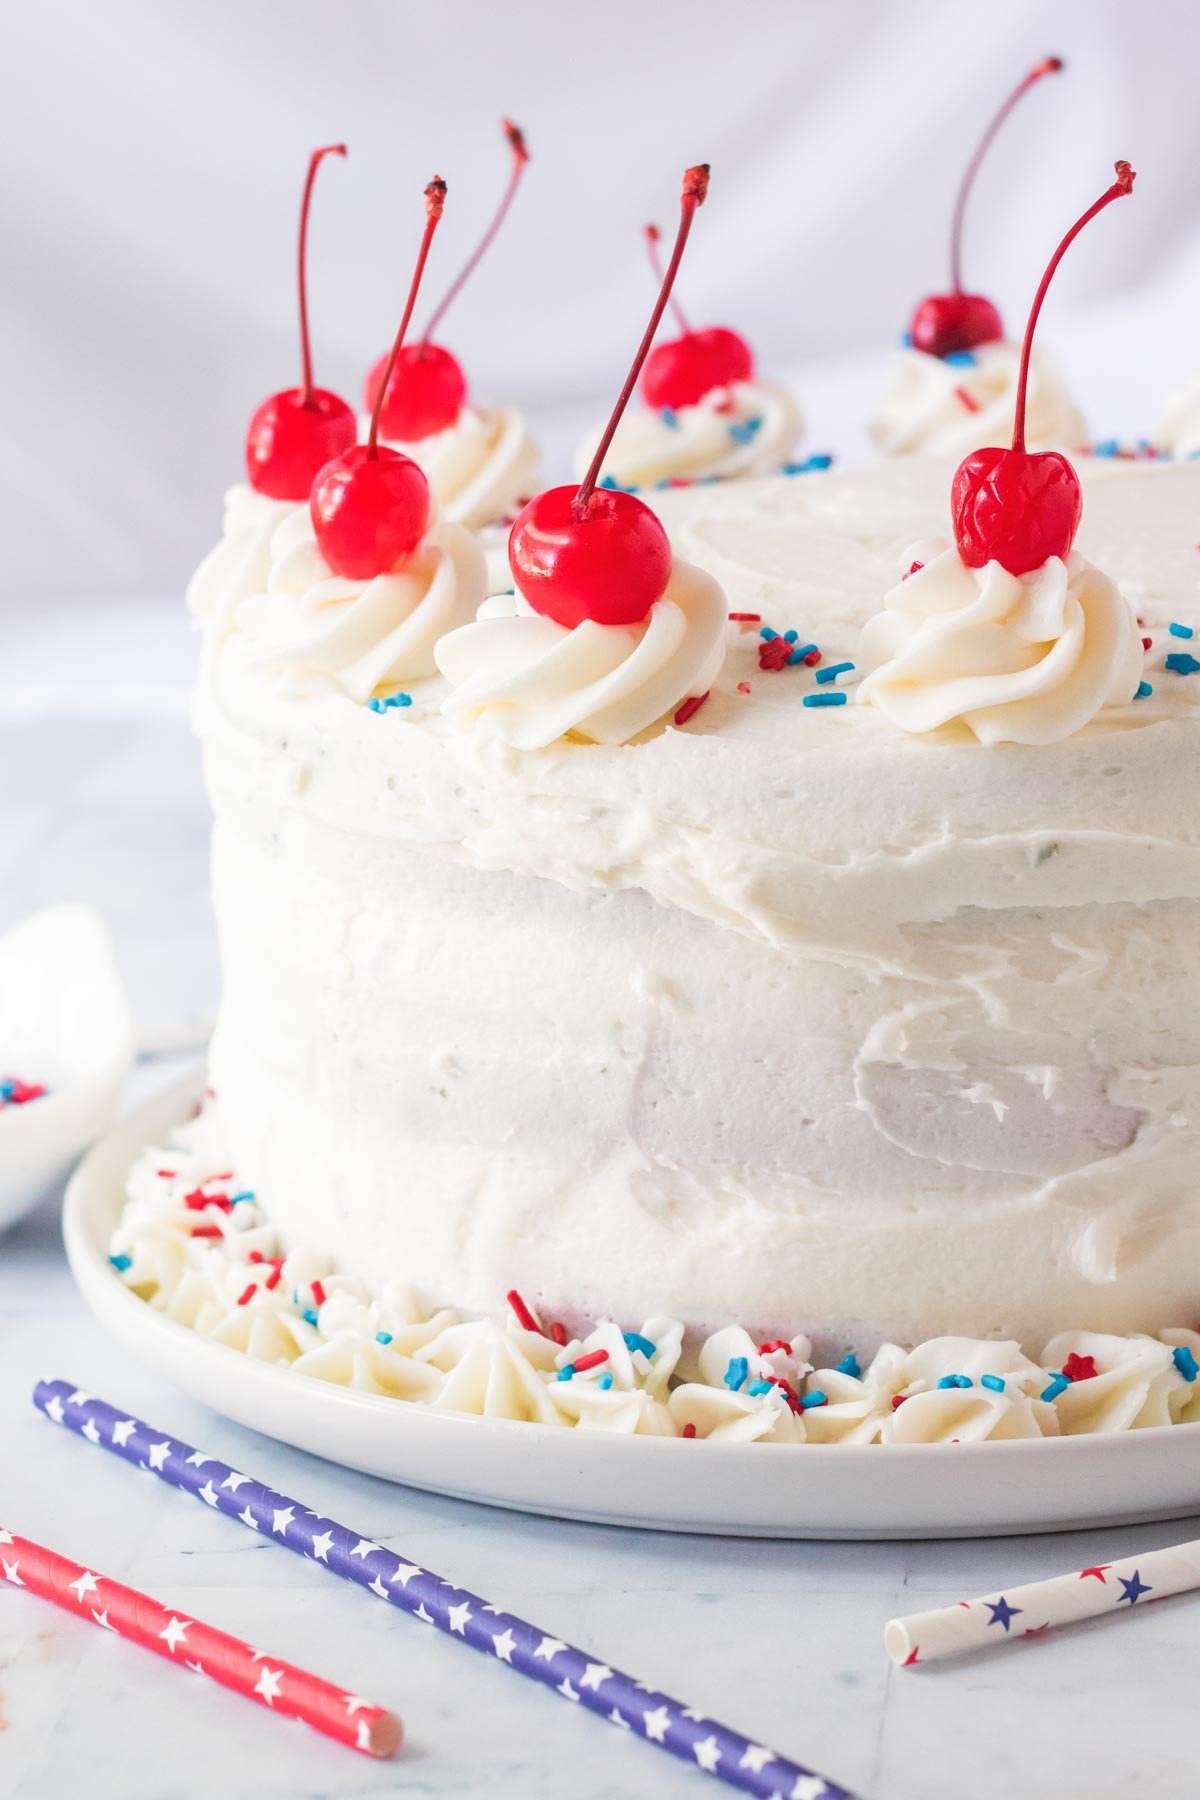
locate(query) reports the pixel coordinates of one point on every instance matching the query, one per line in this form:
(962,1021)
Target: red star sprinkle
(774,652)
(1080,1368)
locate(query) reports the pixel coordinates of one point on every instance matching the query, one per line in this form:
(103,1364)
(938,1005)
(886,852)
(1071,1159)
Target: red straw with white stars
(193,1645)
(1029,1611)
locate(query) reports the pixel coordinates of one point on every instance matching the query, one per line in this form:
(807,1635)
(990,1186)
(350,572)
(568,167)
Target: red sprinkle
(318,1293)
(743,687)
(812,659)
(592,1360)
(256,1256)
(197,1200)
(275,1277)
(165,1174)
(745,618)
(966,400)
(1080,1368)
(206,1231)
(898,1400)
(690,708)
(912,570)
(524,1316)
(1147,643)
(245,1297)
(775,1344)
(774,652)
(689,1431)
(558,1332)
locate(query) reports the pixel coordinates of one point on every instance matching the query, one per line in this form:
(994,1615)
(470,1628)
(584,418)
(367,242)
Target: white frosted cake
(791,1015)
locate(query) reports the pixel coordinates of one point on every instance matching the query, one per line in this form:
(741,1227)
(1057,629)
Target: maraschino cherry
(946,323)
(1009,506)
(681,371)
(370,506)
(294,433)
(584,552)
(427,388)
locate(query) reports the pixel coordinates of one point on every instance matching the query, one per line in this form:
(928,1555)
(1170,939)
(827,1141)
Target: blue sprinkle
(759,1387)
(808,465)
(790,636)
(849,1366)
(736,1373)
(375,705)
(383,1337)
(817,1398)
(635,1341)
(400,700)
(1192,455)
(7,1089)
(1058,1385)
(961,359)
(121,1263)
(801,651)
(309,1315)
(1178,630)
(1107,447)
(831,671)
(606,1380)
(608,481)
(906,340)
(1185,1362)
(1144,691)
(955,1381)
(836,698)
(566,1372)
(995,1382)
(664,483)
(669,417)
(236,1199)
(742,434)
(1182,662)
(767,635)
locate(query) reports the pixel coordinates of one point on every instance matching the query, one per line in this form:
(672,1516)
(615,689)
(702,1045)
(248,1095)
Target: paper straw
(576,1677)
(190,1644)
(1028,1611)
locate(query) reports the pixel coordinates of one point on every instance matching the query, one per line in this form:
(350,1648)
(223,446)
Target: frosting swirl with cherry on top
(480,468)
(936,405)
(748,428)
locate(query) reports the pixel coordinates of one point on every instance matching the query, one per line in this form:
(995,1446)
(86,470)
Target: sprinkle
(1080,1368)
(835,698)
(669,417)
(197,1200)
(774,652)
(789,1393)
(558,1332)
(163,1174)
(237,1199)
(1106,447)
(817,1398)
(775,1344)
(831,671)
(736,1373)
(1180,631)
(849,1365)
(803,652)
(592,1360)
(1144,691)
(635,1341)
(1185,1362)
(206,1231)
(690,708)
(15,1092)
(956,1381)
(898,1401)
(960,359)
(566,1372)
(994,1382)
(384,1337)
(745,433)
(1180,662)
(743,687)
(606,1380)
(1058,1385)
(318,1292)
(749,619)
(247,1294)
(810,465)
(276,1275)
(689,1431)
(524,1317)
(121,1262)
(967,401)
(906,340)
(759,1387)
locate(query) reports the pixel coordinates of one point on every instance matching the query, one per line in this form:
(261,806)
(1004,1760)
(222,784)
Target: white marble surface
(780,1640)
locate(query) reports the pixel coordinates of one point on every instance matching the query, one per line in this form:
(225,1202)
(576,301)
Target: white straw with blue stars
(575,1676)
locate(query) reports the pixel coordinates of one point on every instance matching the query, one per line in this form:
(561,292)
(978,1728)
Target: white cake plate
(747,1490)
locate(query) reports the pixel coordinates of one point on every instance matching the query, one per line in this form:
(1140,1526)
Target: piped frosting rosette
(934,406)
(1180,429)
(748,428)
(239,564)
(481,469)
(312,630)
(522,678)
(1018,659)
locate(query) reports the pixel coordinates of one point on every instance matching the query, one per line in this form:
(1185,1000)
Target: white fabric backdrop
(153,156)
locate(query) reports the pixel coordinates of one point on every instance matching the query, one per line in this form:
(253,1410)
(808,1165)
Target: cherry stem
(1121,186)
(314,163)
(1049,65)
(516,138)
(652,236)
(435,200)
(695,191)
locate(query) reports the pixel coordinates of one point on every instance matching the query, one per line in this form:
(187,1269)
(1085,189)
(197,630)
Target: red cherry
(294,433)
(944,323)
(1009,506)
(587,553)
(684,369)
(370,506)
(428,389)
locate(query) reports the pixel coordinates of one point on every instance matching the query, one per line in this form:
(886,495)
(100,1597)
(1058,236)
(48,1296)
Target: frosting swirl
(1018,659)
(481,468)
(746,429)
(313,629)
(936,407)
(239,563)
(525,679)
(1180,430)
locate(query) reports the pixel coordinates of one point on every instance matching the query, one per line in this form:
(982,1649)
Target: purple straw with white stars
(575,1676)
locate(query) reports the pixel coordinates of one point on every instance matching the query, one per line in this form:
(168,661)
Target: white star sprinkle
(619,1719)
(10,1572)
(84,1585)
(377,1587)
(157,1454)
(269,1684)
(404,1573)
(364,1547)
(593,1675)
(548,1649)
(809,1787)
(755,1758)
(233,1481)
(458,1616)
(122,1431)
(707,1753)
(565,1689)
(282,1519)
(91,1432)
(322,1544)
(208,1494)
(54,1409)
(656,1724)
(505,1644)
(101,1618)
(175,1632)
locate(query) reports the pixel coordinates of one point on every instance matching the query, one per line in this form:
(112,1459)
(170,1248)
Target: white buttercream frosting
(523,678)
(240,562)
(746,429)
(948,408)
(312,630)
(482,468)
(1027,659)
(1179,431)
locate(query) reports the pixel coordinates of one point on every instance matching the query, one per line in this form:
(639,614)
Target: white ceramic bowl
(64,1022)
